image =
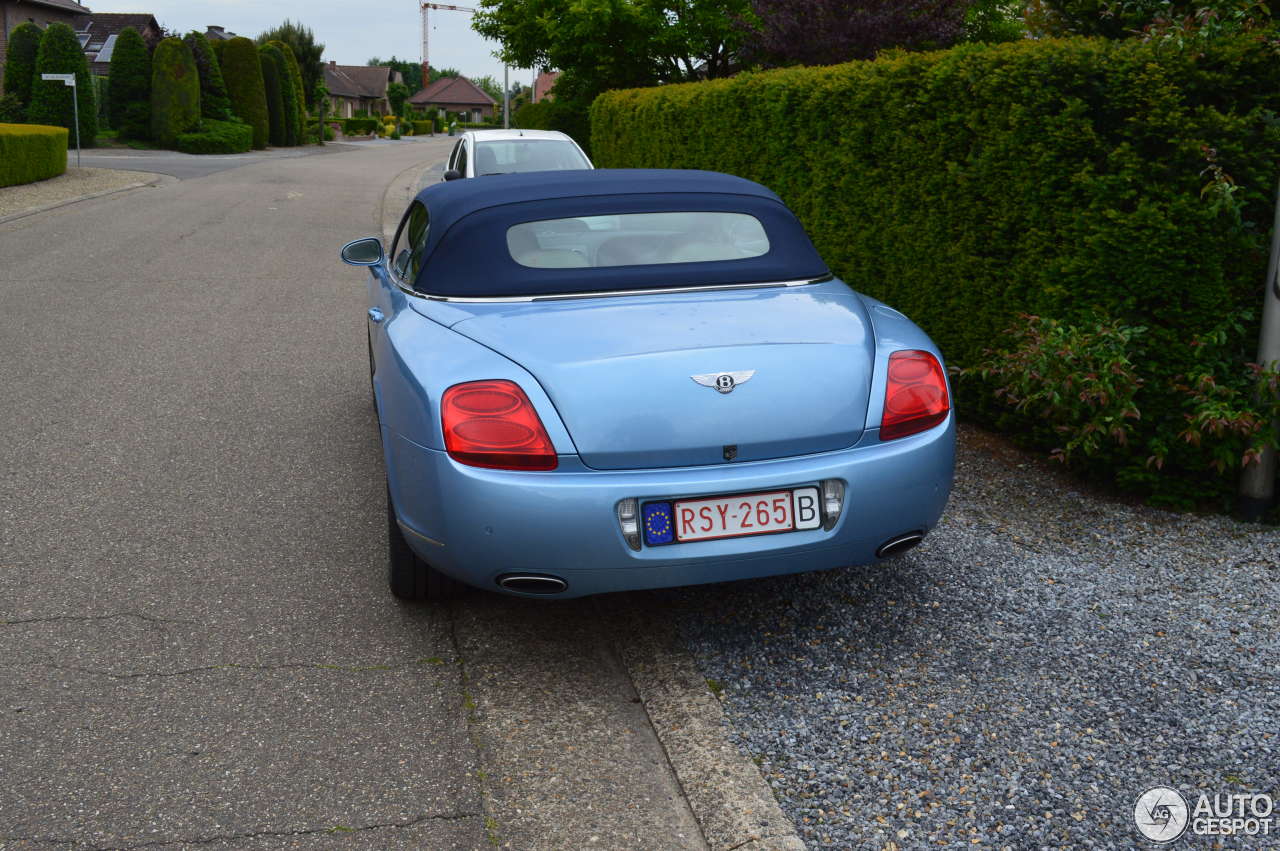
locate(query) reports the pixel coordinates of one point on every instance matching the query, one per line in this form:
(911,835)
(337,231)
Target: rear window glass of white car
(637,239)
(509,156)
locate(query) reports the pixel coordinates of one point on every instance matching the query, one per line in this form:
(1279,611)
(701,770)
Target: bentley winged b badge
(724,381)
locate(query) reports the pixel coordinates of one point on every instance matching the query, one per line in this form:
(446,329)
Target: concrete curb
(44,208)
(730,799)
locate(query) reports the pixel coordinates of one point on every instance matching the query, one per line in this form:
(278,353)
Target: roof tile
(453,90)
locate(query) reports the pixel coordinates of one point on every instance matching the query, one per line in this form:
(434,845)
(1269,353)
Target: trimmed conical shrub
(52,102)
(272,72)
(214,102)
(20,61)
(175,91)
(294,76)
(242,72)
(129,104)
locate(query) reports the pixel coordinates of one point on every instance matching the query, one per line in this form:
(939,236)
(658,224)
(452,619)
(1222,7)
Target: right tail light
(915,396)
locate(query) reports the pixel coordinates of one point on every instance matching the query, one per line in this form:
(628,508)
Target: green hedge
(214,102)
(242,72)
(54,103)
(360,126)
(175,91)
(567,117)
(273,72)
(130,90)
(292,89)
(30,152)
(423,128)
(217,137)
(20,61)
(1061,178)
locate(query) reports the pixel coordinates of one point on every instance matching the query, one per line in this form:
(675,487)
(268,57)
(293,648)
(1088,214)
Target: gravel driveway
(1016,681)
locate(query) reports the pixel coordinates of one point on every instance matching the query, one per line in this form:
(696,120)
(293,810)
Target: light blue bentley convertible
(595,381)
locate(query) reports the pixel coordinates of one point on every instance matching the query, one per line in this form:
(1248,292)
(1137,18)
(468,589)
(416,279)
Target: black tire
(409,577)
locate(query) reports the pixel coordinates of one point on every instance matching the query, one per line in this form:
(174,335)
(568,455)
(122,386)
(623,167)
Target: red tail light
(915,397)
(493,424)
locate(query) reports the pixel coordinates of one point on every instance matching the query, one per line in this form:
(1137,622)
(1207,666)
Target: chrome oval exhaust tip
(532,583)
(899,544)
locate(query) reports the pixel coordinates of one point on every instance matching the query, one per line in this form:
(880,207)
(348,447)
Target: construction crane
(426,66)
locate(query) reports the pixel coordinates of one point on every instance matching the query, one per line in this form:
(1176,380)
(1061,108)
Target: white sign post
(70,80)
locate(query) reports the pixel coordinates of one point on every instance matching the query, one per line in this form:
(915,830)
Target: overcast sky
(351,32)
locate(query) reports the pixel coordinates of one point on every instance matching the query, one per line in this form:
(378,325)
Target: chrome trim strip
(525,299)
(415,533)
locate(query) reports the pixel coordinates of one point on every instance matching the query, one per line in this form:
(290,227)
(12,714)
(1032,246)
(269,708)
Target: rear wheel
(409,577)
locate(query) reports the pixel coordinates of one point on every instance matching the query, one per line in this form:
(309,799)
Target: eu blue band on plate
(658,525)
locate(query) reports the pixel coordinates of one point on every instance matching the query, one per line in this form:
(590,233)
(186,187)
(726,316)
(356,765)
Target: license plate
(746,514)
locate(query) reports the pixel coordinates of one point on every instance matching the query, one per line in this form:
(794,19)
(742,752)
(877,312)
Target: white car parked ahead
(482,152)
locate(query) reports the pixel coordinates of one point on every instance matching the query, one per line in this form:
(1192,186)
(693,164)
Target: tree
(489,86)
(294,77)
(410,71)
(321,97)
(242,71)
(272,74)
(129,101)
(175,91)
(214,102)
(994,21)
(308,54)
(397,94)
(1148,18)
(20,62)
(608,44)
(826,32)
(437,73)
(51,101)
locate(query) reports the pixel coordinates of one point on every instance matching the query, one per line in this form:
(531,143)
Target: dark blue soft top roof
(466,252)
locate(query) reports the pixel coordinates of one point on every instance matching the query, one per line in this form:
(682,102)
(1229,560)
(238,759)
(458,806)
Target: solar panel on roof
(104,55)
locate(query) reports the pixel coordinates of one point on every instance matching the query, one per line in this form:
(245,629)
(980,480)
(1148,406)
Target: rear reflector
(493,424)
(915,396)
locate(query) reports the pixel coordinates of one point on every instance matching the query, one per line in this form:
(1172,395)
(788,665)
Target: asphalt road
(196,643)
(185,166)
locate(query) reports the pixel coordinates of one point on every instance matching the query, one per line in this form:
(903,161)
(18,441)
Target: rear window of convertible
(636,239)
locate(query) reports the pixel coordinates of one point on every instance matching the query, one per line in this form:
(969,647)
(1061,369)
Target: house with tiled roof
(357,88)
(455,94)
(39,12)
(98,32)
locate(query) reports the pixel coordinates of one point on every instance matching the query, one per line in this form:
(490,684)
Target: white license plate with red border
(742,515)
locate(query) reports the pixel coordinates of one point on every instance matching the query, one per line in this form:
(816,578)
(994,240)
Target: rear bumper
(477,525)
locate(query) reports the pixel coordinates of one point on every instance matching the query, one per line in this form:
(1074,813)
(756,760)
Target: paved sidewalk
(72,185)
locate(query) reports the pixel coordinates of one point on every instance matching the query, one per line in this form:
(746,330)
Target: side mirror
(452,174)
(363,252)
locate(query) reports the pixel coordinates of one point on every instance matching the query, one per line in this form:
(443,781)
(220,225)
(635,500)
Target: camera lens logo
(1161,814)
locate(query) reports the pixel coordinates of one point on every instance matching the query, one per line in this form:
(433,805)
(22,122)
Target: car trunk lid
(620,371)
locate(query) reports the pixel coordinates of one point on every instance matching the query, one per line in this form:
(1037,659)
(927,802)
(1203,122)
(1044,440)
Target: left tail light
(493,424)
(915,396)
